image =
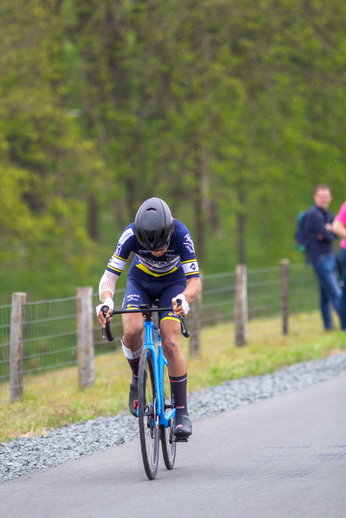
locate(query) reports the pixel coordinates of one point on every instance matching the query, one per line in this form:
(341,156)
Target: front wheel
(148,418)
(167,438)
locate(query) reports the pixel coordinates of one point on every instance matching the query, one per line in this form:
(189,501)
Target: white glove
(184,303)
(108,302)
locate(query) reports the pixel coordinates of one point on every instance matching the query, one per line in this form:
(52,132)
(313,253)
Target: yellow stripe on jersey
(153,274)
(192,273)
(115,269)
(176,319)
(117,256)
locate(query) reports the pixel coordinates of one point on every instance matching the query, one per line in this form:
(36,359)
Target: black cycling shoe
(133,396)
(182,427)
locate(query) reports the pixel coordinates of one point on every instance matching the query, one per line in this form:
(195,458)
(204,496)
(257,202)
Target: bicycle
(155,410)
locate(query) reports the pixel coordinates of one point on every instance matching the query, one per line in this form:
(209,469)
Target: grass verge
(219,360)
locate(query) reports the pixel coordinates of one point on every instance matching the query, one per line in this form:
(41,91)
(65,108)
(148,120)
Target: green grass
(219,360)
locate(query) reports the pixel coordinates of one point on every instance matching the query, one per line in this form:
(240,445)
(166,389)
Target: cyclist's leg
(133,324)
(132,347)
(170,331)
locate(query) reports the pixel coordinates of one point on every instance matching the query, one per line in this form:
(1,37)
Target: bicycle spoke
(168,444)
(148,419)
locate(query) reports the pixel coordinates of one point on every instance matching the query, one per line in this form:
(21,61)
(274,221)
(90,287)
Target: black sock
(178,388)
(134,364)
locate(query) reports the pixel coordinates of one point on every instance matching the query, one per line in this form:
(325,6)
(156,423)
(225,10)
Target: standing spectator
(339,228)
(320,252)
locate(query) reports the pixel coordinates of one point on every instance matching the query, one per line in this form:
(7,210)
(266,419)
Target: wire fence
(49,356)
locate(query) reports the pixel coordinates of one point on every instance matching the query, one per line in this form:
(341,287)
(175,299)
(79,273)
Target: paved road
(281,458)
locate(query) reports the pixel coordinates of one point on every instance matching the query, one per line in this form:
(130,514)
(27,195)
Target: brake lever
(182,322)
(106,331)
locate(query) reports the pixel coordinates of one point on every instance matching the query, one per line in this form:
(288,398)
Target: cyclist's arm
(106,290)
(115,266)
(191,291)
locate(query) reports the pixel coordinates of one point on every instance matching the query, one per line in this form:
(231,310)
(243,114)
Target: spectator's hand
(329,227)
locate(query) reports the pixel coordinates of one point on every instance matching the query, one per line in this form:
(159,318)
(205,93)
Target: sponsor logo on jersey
(133,296)
(188,243)
(190,267)
(123,238)
(159,266)
(171,314)
(117,263)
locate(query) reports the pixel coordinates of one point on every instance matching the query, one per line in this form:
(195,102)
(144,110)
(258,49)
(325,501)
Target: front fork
(165,417)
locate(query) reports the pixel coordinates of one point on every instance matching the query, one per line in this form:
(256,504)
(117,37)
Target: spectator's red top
(342,217)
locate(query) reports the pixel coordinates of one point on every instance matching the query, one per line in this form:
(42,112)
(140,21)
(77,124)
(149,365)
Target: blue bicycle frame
(159,361)
(153,414)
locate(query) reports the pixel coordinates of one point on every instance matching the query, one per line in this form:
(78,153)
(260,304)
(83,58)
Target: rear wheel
(167,439)
(148,418)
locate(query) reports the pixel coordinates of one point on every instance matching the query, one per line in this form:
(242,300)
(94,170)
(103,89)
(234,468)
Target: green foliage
(231,111)
(44,161)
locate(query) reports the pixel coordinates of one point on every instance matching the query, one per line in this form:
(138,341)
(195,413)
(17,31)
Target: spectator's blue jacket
(316,221)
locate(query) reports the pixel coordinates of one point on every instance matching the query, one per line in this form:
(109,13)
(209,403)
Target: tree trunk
(93,217)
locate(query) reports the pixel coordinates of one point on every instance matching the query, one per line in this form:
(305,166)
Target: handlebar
(146,311)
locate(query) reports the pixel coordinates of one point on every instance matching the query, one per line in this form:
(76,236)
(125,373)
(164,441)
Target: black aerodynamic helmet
(154,224)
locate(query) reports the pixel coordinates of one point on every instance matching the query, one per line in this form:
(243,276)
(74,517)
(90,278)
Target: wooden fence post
(241,307)
(17,345)
(85,339)
(284,269)
(195,326)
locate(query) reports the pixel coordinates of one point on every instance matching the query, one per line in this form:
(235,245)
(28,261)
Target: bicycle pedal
(180,439)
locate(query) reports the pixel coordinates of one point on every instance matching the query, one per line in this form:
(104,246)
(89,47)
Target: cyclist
(164,268)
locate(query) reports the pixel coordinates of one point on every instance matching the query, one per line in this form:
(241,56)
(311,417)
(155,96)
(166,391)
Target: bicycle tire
(147,414)
(167,440)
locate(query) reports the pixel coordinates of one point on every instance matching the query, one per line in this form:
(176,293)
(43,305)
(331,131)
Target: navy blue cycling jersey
(179,256)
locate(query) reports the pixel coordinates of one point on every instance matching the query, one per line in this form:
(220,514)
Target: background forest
(230,110)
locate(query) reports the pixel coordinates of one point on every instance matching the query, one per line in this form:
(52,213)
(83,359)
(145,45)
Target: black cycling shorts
(142,289)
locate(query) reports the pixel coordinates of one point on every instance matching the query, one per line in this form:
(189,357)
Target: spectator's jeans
(330,290)
(342,262)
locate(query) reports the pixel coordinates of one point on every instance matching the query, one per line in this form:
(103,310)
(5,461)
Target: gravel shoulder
(26,455)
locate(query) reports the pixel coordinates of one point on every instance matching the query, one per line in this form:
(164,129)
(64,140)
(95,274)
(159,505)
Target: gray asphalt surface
(284,457)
